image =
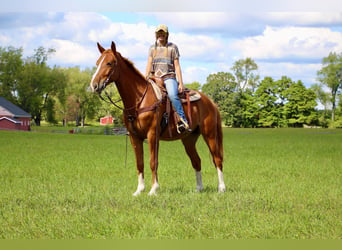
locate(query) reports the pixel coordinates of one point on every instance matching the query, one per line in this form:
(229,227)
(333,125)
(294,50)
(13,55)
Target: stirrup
(182,126)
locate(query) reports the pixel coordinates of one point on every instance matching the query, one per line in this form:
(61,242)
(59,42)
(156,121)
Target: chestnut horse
(143,115)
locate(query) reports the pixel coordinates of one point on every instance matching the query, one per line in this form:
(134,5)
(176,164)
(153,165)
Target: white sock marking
(154,188)
(141,185)
(199,186)
(221,185)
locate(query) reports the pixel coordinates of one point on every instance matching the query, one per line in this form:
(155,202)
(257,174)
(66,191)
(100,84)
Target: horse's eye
(109,64)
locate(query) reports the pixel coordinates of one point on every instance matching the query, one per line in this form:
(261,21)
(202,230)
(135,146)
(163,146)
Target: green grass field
(281,184)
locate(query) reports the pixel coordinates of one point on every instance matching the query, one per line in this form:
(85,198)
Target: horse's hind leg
(190,147)
(153,143)
(217,159)
(213,138)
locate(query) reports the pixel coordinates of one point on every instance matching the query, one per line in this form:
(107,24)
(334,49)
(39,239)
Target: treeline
(61,95)
(246,101)
(53,94)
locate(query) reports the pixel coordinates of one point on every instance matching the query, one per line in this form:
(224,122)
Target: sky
(285,38)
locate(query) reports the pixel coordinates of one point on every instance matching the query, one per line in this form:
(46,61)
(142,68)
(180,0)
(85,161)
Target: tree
(77,102)
(266,97)
(59,80)
(331,76)
(105,108)
(243,70)
(284,102)
(323,97)
(11,64)
(193,85)
(247,109)
(221,88)
(37,84)
(219,85)
(300,104)
(50,112)
(338,123)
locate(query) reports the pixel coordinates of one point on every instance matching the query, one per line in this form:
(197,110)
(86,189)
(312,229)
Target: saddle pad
(194,96)
(156,89)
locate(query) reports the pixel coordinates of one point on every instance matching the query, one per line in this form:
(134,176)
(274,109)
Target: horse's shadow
(182,190)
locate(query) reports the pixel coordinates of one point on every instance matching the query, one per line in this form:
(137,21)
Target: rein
(130,108)
(110,100)
(131,117)
(126,111)
(106,82)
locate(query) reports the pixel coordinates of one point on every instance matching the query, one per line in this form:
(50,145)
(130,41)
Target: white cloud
(198,47)
(244,23)
(195,74)
(4,39)
(177,5)
(132,40)
(128,33)
(303,18)
(290,43)
(105,33)
(307,73)
(209,42)
(196,20)
(77,26)
(72,53)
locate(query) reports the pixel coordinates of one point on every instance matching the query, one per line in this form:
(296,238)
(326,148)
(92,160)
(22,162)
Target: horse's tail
(219,134)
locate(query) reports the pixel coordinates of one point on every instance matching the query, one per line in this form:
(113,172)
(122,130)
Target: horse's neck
(131,87)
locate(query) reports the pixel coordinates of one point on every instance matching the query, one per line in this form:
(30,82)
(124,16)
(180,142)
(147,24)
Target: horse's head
(106,71)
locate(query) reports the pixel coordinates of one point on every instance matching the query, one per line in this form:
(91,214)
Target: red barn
(12,117)
(108,120)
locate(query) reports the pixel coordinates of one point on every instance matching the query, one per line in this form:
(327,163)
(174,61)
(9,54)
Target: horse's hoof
(222,189)
(138,192)
(153,191)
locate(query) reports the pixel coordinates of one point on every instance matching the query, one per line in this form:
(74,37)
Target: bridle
(132,113)
(130,117)
(105,83)
(108,81)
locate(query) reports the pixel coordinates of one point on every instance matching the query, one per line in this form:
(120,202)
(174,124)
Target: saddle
(159,88)
(187,96)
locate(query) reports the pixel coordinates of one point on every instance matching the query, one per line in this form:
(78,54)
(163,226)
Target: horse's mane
(130,65)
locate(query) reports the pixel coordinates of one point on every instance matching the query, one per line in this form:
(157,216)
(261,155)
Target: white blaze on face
(97,71)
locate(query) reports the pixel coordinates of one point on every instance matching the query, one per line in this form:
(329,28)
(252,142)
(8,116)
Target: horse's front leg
(138,148)
(153,142)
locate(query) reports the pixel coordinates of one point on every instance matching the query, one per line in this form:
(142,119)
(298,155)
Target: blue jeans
(171,85)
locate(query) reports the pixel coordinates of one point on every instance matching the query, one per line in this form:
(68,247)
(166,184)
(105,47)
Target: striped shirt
(163,63)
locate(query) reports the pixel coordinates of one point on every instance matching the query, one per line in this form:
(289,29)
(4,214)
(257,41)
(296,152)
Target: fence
(99,131)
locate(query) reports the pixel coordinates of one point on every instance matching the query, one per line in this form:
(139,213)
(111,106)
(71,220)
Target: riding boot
(182,126)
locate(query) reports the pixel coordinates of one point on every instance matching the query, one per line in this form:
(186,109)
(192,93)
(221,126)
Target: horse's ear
(101,49)
(113,48)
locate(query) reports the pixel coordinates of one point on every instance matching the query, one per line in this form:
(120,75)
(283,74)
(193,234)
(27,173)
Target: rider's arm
(179,75)
(148,67)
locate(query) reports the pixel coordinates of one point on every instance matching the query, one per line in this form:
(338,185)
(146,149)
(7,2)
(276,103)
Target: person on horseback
(163,61)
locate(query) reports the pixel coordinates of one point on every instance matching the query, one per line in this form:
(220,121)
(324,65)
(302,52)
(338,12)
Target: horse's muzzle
(96,87)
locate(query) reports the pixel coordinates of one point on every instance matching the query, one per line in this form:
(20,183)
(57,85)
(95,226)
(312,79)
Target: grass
(281,184)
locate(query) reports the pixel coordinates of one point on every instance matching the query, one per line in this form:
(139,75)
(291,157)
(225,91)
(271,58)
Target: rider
(163,61)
